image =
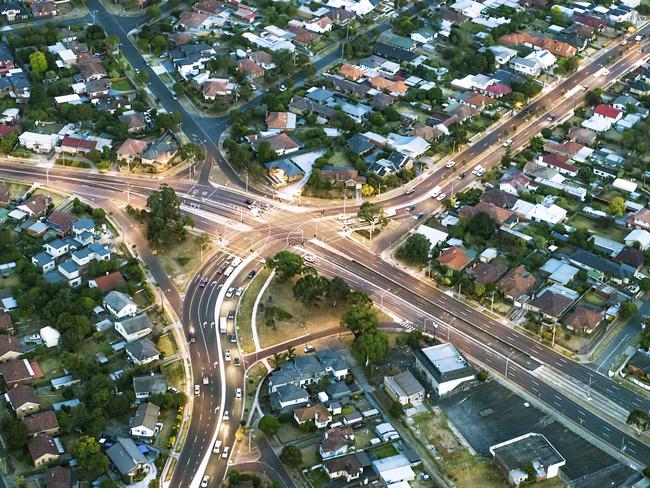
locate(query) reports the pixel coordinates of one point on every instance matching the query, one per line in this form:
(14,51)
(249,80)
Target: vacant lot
(183,260)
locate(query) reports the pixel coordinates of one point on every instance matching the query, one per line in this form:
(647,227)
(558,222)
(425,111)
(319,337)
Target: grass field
(121,85)
(304,319)
(584,223)
(166,345)
(183,260)
(385,451)
(174,373)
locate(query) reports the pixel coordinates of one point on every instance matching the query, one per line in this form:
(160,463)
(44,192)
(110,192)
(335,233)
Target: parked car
(237,362)
(233,338)
(309,348)
(238,292)
(231,315)
(197,389)
(217,446)
(226,354)
(230,292)
(226,415)
(251,274)
(226,451)
(205,482)
(238,393)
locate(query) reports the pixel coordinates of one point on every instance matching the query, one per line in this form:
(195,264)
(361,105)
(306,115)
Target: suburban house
(42,449)
(148,384)
(19,371)
(510,456)
(288,396)
(516,283)
(280,121)
(133,328)
(127,458)
(583,319)
(443,368)
(42,423)
(318,414)
(455,258)
(348,467)
(39,143)
(336,442)
(394,469)
(553,301)
(10,349)
(22,400)
(405,388)
(35,206)
(60,477)
(120,304)
(640,219)
(108,282)
(161,151)
(638,237)
(142,351)
(144,424)
(131,149)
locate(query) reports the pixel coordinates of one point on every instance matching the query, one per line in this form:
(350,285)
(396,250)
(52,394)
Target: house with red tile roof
(497,90)
(42,449)
(108,282)
(23,400)
(350,72)
(608,112)
(252,69)
(516,283)
(42,423)
(10,349)
(455,258)
(74,145)
(583,319)
(558,162)
(17,372)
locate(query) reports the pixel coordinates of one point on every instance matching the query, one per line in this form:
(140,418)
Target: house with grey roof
(149,384)
(142,351)
(144,424)
(338,390)
(288,397)
(44,261)
(127,458)
(120,304)
(404,388)
(334,365)
(134,328)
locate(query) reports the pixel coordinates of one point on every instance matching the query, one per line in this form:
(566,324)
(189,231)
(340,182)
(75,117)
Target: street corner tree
(165,223)
(269,424)
(287,264)
(371,347)
(639,419)
(360,319)
(415,249)
(291,456)
(191,152)
(337,290)
(309,289)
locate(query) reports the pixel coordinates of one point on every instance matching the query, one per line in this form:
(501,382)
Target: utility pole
(507,361)
(589,389)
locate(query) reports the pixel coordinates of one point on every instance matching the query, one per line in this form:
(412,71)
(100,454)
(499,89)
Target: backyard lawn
(385,451)
(174,373)
(166,345)
(121,85)
(606,229)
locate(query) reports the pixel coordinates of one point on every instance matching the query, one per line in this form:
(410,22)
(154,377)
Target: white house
(525,66)
(57,247)
(550,213)
(50,336)
(435,236)
(502,54)
(70,270)
(39,143)
(443,368)
(144,424)
(640,237)
(412,146)
(142,351)
(404,388)
(120,304)
(134,328)
(545,59)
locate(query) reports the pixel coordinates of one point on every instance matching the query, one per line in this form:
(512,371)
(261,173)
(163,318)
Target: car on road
(230,292)
(233,338)
(409,191)
(192,338)
(226,451)
(226,415)
(238,393)
(231,315)
(173,389)
(251,274)
(222,269)
(197,389)
(206,380)
(462,175)
(450,164)
(205,482)
(410,208)
(248,202)
(203,282)
(309,348)
(309,258)
(237,362)
(238,292)
(507,143)
(441,197)
(217,446)
(226,354)
(175,97)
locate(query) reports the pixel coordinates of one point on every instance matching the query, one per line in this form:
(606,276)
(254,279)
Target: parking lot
(490,413)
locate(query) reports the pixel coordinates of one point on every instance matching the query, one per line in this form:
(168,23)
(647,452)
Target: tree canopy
(415,249)
(165,224)
(287,264)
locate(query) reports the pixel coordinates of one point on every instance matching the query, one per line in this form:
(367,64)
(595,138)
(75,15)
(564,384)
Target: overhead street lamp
(507,361)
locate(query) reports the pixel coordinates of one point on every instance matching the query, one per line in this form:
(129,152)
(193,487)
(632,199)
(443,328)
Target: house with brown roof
(318,414)
(280,143)
(502,216)
(582,135)
(346,467)
(640,219)
(479,101)
(75,145)
(5,195)
(350,72)
(336,442)
(346,174)
(42,449)
(631,256)
(17,372)
(553,301)
(61,222)
(264,59)
(42,423)
(131,149)
(212,7)
(499,197)
(302,37)
(108,282)
(485,273)
(35,206)
(10,349)
(583,319)
(59,477)
(252,69)
(90,68)
(455,258)
(134,122)
(281,121)
(557,48)
(22,400)
(6,324)
(427,132)
(516,283)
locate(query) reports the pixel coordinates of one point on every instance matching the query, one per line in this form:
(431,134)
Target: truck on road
(223,325)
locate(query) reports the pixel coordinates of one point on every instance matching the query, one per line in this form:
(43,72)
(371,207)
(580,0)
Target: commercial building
(443,368)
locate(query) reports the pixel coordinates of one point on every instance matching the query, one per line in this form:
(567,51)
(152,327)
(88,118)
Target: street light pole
(507,361)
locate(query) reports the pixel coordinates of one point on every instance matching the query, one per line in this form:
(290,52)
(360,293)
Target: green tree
(287,264)
(645,284)
(396,409)
(265,153)
(269,425)
(415,249)
(372,214)
(617,206)
(309,289)
(38,62)
(371,347)
(291,456)
(628,309)
(639,419)
(191,152)
(14,433)
(168,120)
(337,290)
(8,142)
(165,224)
(359,299)
(359,320)
(90,458)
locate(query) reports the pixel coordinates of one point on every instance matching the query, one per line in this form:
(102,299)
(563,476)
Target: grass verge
(244,314)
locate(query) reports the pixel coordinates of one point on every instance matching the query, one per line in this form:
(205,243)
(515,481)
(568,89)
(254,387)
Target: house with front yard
(553,301)
(10,349)
(39,143)
(336,442)
(108,282)
(515,283)
(638,366)
(333,363)
(161,151)
(583,319)
(640,219)
(142,351)
(601,268)
(23,400)
(120,304)
(144,424)
(443,368)
(127,458)
(133,328)
(318,414)
(348,467)
(638,237)
(149,384)
(42,449)
(394,469)
(19,371)
(455,258)
(288,397)
(35,206)
(131,149)
(404,388)
(42,423)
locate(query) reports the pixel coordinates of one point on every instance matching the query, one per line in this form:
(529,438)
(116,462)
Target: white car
(226,451)
(226,415)
(309,348)
(450,164)
(205,482)
(226,354)
(197,389)
(309,258)
(238,393)
(217,447)
(409,191)
(507,143)
(230,292)
(441,197)
(238,292)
